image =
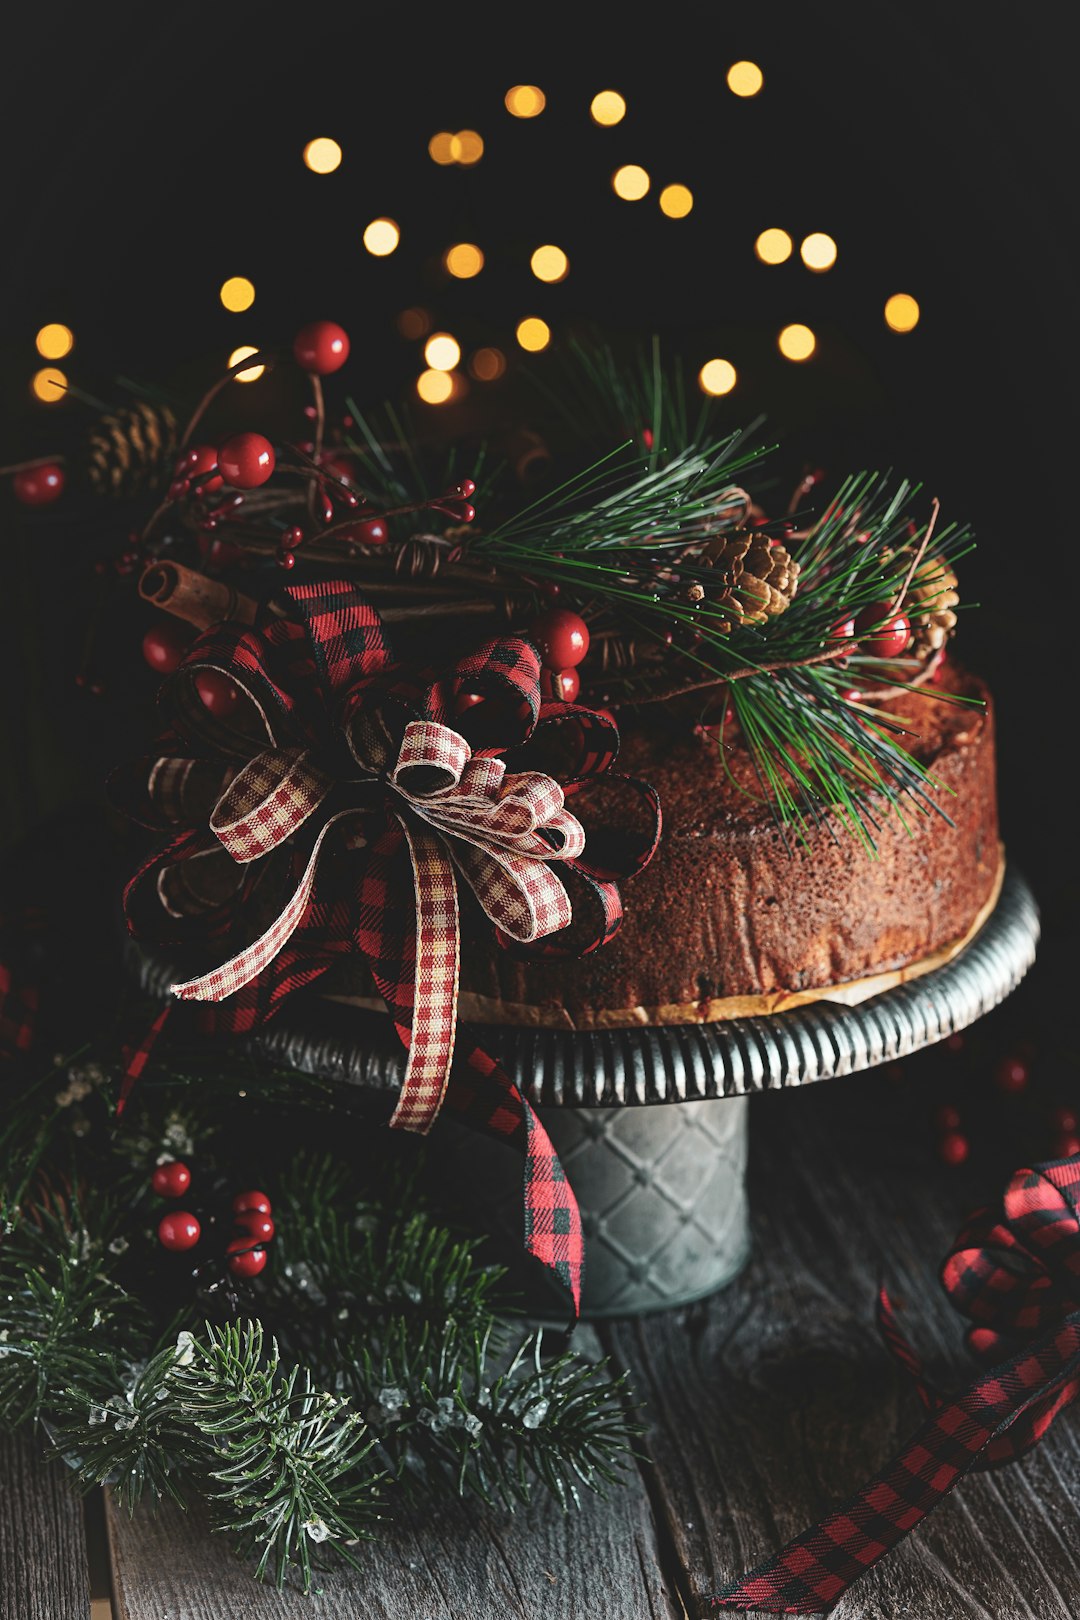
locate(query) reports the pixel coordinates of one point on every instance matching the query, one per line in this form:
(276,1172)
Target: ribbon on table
(1016,1276)
(341,792)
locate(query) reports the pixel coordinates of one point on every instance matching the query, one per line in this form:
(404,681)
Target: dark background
(150,152)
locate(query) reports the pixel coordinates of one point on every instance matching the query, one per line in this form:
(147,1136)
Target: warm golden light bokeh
(533,333)
(676,201)
(549,263)
(466,147)
(487,365)
(442,352)
(49,384)
(441,148)
(773,246)
(631,182)
(796,342)
(382,237)
(253,372)
(717,377)
(54,341)
(744,78)
(464,260)
(525,101)
(902,312)
(322,155)
(607,107)
(435,387)
(818,251)
(238,293)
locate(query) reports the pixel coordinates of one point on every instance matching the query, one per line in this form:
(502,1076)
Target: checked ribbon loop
(334,816)
(1016,1277)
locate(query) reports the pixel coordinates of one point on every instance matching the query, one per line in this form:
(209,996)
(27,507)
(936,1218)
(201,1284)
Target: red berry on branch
(252,1200)
(244,1261)
(342,467)
(882,633)
(843,630)
(39,486)
(463,490)
(562,638)
(171,1180)
(286,559)
(953,1147)
(164,645)
(321,346)
(372,532)
(220,694)
(256,1225)
(197,461)
(1012,1074)
(560,683)
(178,1232)
(246,460)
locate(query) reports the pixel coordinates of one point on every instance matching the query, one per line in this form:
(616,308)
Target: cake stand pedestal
(651,1122)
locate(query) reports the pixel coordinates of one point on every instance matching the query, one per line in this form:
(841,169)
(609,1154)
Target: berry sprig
(179,1230)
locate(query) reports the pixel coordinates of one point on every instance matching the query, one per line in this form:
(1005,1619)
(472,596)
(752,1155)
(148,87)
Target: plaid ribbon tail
(812,1573)
(136,1058)
(434,1012)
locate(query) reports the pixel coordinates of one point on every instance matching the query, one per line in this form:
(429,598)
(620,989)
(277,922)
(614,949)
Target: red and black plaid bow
(1017,1279)
(335,815)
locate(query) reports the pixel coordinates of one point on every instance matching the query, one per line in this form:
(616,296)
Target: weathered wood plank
(462,1563)
(770,1402)
(43,1564)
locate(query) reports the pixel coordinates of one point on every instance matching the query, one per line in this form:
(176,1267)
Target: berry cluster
(180,1230)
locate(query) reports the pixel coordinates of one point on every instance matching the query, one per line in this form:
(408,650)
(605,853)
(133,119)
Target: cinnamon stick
(192,596)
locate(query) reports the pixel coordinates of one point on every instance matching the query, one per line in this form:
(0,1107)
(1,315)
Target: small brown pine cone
(929,605)
(131,451)
(758,577)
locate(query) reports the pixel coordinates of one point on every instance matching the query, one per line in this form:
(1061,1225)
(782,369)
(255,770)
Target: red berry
(953,1147)
(343,467)
(244,1261)
(373,532)
(171,1180)
(164,645)
(1012,1074)
(252,1200)
(560,683)
(286,559)
(843,630)
(39,486)
(218,692)
(947,1117)
(1065,1118)
(198,460)
(246,460)
(321,346)
(882,633)
(256,1224)
(178,1231)
(562,637)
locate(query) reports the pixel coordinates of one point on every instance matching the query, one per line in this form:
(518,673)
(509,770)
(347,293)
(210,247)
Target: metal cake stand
(651,1122)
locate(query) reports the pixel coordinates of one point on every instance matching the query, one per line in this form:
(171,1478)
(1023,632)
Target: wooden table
(763,1406)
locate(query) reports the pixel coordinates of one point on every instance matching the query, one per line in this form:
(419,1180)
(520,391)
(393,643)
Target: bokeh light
(773,246)
(435,387)
(717,377)
(487,365)
(414,323)
(818,251)
(238,293)
(54,341)
(49,385)
(533,334)
(744,78)
(253,372)
(322,155)
(676,201)
(442,352)
(466,147)
(441,148)
(549,263)
(796,342)
(381,237)
(631,182)
(902,312)
(525,101)
(607,108)
(464,260)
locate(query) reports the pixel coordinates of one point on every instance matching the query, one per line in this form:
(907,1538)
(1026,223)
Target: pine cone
(758,576)
(930,601)
(131,451)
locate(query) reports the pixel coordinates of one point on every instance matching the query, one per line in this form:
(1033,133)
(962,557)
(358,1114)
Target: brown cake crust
(725,911)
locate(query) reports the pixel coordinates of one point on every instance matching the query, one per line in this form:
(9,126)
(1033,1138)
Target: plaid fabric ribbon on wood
(1017,1279)
(337,812)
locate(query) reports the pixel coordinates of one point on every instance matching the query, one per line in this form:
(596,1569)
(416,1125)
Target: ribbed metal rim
(683,1063)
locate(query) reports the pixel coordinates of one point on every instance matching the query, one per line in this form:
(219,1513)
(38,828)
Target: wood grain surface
(43,1562)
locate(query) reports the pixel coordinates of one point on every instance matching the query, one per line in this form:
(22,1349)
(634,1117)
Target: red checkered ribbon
(334,813)
(1017,1279)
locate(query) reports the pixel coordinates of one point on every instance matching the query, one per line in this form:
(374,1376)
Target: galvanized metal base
(653,1149)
